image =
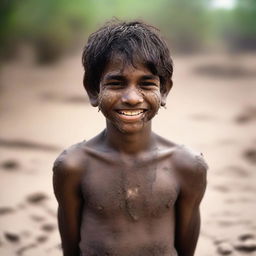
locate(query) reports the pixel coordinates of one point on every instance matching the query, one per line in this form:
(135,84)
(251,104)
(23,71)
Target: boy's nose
(132,96)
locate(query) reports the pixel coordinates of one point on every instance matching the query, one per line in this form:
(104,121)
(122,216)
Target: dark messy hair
(136,41)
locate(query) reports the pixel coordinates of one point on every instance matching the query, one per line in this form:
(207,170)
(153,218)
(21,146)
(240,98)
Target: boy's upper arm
(66,178)
(67,173)
(192,170)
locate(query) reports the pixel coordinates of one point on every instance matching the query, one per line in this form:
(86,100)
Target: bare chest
(134,190)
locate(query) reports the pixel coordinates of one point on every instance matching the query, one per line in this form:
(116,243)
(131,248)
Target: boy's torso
(128,206)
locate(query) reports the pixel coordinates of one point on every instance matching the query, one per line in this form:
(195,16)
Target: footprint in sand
(250,155)
(48,227)
(246,243)
(25,248)
(11,237)
(41,239)
(10,165)
(38,240)
(247,115)
(6,210)
(224,248)
(244,237)
(37,198)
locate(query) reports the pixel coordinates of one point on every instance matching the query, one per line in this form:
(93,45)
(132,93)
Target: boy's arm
(66,184)
(193,184)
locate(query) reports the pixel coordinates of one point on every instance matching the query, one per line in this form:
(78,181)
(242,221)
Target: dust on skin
(104,97)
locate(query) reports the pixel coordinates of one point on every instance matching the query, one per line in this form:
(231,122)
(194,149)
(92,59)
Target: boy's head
(136,42)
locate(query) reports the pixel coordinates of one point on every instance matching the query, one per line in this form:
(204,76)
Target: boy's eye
(114,83)
(148,85)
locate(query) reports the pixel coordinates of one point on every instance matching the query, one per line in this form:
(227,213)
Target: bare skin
(128,191)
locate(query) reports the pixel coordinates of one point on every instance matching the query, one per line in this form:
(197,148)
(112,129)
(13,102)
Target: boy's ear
(165,91)
(93,97)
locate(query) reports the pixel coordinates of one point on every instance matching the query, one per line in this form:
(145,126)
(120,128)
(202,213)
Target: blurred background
(53,28)
(44,109)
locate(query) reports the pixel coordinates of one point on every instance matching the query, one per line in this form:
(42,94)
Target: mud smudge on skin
(132,185)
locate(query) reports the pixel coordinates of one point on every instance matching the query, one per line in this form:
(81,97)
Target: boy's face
(129,96)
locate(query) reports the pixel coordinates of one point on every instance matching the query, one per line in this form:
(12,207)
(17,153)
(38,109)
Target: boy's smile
(130,114)
(129,95)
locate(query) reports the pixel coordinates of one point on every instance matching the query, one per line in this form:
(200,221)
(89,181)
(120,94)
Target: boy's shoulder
(190,165)
(189,159)
(71,159)
(184,158)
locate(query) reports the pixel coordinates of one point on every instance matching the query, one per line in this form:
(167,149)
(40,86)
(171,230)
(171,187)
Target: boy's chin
(131,128)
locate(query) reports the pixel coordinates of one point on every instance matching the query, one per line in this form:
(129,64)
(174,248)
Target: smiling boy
(128,191)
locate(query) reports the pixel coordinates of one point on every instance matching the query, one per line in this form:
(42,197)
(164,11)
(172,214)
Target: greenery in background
(242,33)
(51,27)
(54,27)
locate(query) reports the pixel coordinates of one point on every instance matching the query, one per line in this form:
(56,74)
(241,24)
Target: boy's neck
(130,143)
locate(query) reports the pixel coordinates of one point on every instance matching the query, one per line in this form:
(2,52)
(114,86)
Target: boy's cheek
(105,98)
(107,101)
(155,99)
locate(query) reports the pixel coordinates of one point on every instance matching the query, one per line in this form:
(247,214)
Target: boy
(128,191)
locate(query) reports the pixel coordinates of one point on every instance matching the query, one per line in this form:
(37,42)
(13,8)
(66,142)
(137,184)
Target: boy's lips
(130,114)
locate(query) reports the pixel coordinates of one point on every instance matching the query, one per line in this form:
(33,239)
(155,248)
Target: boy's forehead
(118,64)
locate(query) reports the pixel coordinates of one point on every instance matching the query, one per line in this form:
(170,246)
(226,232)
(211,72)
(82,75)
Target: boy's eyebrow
(114,77)
(149,77)
(122,78)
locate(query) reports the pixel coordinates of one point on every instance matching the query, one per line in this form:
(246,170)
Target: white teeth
(130,113)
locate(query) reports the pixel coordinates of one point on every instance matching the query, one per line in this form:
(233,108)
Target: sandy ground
(212,108)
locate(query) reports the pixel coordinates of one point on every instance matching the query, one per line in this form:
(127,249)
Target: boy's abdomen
(129,212)
(120,237)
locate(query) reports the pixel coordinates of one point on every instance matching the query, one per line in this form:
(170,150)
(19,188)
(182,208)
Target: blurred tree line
(54,27)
